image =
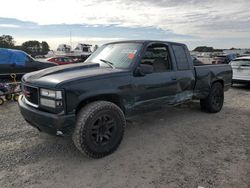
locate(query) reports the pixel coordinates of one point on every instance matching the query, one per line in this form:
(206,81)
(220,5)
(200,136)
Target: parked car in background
(62,60)
(196,61)
(19,63)
(224,59)
(244,55)
(241,69)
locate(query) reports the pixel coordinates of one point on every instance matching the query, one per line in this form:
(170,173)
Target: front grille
(31,94)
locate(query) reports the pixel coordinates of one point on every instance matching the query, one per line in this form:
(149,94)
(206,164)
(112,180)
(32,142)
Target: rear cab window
(181,57)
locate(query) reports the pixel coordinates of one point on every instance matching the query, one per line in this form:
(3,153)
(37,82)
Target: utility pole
(70,39)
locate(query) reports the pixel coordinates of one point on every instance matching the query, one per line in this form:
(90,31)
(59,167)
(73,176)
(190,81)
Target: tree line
(32,47)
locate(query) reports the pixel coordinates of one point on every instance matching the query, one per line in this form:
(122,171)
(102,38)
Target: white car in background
(241,69)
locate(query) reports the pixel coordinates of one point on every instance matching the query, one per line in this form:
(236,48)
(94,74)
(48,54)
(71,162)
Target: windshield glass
(241,62)
(119,55)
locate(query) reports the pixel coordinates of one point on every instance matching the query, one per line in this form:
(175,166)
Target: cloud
(186,17)
(9,25)
(179,19)
(90,33)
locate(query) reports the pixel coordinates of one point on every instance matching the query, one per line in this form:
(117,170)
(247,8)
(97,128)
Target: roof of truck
(145,41)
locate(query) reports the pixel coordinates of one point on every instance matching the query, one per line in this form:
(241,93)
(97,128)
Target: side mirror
(144,69)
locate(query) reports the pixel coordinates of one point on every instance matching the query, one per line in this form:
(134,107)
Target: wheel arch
(221,81)
(114,98)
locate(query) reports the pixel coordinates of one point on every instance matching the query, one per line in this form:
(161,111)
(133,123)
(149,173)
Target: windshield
(241,62)
(119,55)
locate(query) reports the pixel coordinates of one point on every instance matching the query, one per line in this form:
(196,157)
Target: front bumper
(47,122)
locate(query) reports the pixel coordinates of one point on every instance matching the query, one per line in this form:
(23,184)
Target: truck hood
(53,76)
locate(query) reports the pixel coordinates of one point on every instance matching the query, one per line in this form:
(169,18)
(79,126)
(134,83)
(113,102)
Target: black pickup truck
(90,101)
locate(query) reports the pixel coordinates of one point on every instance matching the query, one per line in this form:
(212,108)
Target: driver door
(159,87)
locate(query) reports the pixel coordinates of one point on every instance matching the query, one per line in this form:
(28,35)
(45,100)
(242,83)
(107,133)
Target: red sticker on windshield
(131,56)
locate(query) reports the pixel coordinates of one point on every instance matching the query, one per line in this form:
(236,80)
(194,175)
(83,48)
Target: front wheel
(214,102)
(99,129)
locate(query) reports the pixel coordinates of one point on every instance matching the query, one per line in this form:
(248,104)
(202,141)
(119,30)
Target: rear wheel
(214,102)
(99,129)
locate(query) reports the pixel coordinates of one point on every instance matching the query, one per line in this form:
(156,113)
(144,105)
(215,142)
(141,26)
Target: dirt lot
(172,147)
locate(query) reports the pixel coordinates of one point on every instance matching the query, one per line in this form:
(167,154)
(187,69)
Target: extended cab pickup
(89,101)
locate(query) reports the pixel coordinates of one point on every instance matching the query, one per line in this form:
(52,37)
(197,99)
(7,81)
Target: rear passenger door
(159,87)
(185,74)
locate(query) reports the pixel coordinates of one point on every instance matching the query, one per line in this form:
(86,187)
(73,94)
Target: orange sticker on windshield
(131,56)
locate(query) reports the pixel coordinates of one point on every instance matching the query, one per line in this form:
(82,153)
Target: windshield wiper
(108,63)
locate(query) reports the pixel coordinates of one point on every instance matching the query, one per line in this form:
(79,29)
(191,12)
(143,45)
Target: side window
(68,60)
(181,57)
(158,56)
(28,59)
(85,49)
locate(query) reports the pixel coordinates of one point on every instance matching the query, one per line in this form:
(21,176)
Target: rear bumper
(47,122)
(239,81)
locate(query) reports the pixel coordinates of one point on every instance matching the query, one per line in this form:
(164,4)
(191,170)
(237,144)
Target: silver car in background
(241,69)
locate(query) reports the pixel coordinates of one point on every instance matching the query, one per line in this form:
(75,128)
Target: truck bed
(207,74)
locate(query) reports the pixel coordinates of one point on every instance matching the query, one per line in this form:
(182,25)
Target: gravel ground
(172,147)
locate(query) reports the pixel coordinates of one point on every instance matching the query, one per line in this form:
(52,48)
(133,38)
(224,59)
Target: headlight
(51,98)
(51,93)
(48,102)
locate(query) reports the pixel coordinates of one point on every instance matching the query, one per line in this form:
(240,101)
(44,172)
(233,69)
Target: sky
(217,23)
